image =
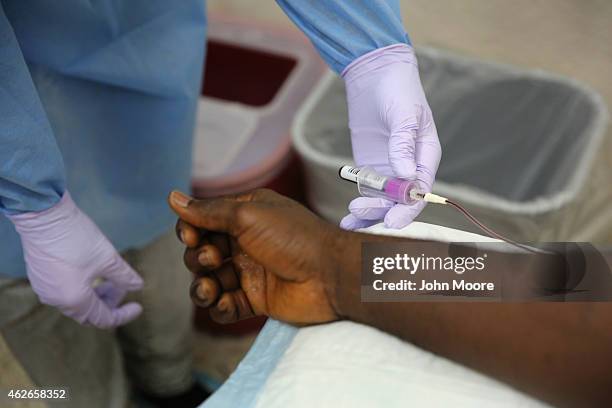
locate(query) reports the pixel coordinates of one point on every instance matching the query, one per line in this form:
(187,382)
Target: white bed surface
(345,364)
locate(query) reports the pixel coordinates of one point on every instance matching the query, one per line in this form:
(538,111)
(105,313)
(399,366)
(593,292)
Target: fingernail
(203,293)
(198,294)
(182,234)
(180,199)
(204,258)
(222,306)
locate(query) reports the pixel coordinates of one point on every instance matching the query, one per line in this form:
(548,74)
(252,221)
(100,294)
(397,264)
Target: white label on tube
(372,180)
(349,173)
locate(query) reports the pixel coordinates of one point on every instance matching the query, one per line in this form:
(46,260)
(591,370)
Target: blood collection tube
(372,184)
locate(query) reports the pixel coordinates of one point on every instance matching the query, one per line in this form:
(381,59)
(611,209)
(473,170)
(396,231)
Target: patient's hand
(258,253)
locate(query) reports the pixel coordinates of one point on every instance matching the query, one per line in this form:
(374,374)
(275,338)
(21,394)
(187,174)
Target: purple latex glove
(392,131)
(66,254)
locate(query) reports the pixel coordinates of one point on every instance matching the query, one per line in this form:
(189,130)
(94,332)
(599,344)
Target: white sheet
(344,364)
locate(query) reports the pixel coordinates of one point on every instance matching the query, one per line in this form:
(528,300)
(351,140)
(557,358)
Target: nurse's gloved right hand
(392,131)
(66,255)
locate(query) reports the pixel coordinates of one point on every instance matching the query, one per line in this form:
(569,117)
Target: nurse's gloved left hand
(65,255)
(392,131)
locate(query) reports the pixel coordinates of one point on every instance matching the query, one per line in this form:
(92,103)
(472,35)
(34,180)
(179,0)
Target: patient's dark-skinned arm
(559,352)
(265,254)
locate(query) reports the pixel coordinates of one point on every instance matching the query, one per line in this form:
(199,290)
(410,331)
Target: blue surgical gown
(99,97)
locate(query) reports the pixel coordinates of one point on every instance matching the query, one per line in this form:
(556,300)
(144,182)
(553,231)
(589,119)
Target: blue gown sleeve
(31,166)
(343,30)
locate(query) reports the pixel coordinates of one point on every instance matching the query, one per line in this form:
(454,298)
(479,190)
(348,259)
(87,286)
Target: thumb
(214,214)
(103,317)
(402,153)
(110,294)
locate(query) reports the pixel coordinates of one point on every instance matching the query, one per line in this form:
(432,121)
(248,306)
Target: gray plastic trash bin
(518,149)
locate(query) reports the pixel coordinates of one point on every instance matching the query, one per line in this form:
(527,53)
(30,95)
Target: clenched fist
(258,253)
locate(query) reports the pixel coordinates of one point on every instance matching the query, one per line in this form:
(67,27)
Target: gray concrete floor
(568,37)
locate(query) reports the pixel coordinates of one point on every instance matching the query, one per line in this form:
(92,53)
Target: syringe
(372,184)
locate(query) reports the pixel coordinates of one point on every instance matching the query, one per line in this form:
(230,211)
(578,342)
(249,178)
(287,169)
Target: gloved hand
(65,254)
(392,131)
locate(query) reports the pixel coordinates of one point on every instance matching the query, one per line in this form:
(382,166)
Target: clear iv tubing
(372,184)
